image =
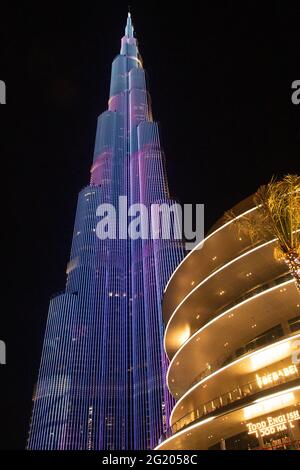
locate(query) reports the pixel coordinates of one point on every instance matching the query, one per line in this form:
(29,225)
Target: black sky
(220,79)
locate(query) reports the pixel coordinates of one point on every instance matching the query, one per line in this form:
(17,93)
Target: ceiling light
(266,405)
(270,355)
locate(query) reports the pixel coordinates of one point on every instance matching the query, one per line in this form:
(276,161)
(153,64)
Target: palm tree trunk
(292,259)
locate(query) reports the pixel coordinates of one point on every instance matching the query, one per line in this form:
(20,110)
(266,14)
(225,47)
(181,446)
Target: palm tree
(277,215)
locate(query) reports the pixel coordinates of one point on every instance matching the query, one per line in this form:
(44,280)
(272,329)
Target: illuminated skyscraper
(101,380)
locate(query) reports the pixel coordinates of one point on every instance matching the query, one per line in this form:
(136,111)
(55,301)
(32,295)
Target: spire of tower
(129,26)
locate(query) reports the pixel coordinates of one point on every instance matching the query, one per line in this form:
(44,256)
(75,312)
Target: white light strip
(224,266)
(197,425)
(136,59)
(276,394)
(267,291)
(242,358)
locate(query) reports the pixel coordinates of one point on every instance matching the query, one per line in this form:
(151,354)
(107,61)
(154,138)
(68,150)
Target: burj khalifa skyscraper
(101,383)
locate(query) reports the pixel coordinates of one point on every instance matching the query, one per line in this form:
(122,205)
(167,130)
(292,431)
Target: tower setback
(101,383)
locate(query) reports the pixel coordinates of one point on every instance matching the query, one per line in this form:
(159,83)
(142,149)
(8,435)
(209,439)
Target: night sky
(220,80)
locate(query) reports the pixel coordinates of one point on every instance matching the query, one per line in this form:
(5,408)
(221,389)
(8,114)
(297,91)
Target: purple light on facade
(101,382)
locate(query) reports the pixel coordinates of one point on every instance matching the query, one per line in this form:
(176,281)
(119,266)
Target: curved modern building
(232,315)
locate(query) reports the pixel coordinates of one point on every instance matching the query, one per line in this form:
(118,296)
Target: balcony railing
(257,290)
(222,401)
(251,293)
(262,341)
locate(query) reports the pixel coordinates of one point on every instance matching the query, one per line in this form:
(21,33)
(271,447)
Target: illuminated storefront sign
(271,425)
(275,376)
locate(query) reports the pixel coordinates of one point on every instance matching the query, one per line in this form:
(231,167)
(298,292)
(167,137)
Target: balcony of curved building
(208,424)
(220,246)
(244,326)
(267,338)
(238,374)
(224,287)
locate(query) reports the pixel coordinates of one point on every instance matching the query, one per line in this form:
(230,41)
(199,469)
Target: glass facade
(101,383)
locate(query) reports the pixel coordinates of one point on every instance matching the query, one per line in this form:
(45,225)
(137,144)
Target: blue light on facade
(101,382)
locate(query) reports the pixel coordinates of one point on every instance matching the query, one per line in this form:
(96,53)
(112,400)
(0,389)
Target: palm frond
(277,216)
